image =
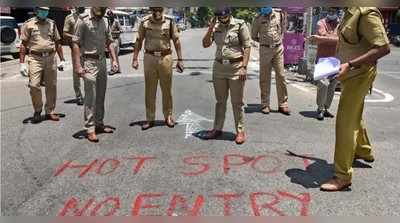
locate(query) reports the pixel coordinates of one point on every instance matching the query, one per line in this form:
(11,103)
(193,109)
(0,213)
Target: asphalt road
(51,169)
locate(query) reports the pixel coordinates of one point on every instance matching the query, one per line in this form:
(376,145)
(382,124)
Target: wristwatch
(351,65)
(245,67)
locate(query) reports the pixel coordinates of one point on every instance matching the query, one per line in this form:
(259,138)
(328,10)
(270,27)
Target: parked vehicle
(10,33)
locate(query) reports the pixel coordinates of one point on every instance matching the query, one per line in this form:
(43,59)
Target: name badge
(225,62)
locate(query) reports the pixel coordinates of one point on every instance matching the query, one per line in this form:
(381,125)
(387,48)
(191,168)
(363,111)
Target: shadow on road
(44,118)
(226,136)
(316,173)
(82,134)
(5,59)
(252,108)
(71,101)
(256,108)
(309,114)
(157,123)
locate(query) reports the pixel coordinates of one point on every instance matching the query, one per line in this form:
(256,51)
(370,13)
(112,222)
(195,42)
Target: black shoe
(37,118)
(328,114)
(320,115)
(79,101)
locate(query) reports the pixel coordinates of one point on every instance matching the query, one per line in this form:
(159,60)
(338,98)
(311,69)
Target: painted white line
(192,122)
(302,88)
(386,97)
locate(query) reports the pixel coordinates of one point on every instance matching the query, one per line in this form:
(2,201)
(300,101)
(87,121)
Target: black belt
(91,56)
(231,61)
(41,54)
(159,53)
(271,46)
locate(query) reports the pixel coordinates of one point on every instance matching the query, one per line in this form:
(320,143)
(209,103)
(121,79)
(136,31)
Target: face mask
(80,10)
(99,11)
(265,11)
(223,19)
(332,17)
(42,14)
(157,13)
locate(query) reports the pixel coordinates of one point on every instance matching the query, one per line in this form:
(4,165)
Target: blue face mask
(265,11)
(333,17)
(42,14)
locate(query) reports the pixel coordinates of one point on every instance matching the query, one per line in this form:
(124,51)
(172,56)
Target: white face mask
(332,17)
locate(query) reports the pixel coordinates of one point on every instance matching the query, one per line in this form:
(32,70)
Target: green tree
(203,15)
(247,14)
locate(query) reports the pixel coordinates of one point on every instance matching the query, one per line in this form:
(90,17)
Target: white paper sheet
(326,67)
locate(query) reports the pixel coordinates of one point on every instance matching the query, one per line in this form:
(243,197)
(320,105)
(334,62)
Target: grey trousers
(325,93)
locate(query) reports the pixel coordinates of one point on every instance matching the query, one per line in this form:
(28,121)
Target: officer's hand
(80,71)
(314,39)
(242,74)
(23,70)
(212,22)
(61,65)
(180,67)
(344,69)
(135,64)
(114,66)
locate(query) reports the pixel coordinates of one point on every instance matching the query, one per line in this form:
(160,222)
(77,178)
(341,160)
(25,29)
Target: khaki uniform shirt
(115,29)
(268,30)
(360,30)
(40,35)
(157,35)
(92,35)
(70,22)
(230,39)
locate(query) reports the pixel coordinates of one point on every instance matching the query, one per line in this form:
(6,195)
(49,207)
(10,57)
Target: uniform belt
(231,61)
(159,53)
(91,56)
(41,54)
(271,46)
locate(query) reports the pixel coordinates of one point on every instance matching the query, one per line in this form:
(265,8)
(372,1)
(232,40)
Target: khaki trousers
(351,135)
(158,69)
(272,58)
(222,88)
(95,83)
(43,69)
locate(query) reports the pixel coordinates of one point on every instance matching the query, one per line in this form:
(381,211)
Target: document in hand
(326,67)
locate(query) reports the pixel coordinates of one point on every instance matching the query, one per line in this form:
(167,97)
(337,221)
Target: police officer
(116,30)
(69,28)
(362,41)
(88,45)
(268,29)
(326,29)
(41,40)
(232,38)
(157,31)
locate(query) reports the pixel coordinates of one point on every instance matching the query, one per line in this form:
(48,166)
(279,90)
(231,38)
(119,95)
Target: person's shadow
(309,114)
(157,123)
(256,108)
(82,134)
(226,136)
(43,118)
(316,173)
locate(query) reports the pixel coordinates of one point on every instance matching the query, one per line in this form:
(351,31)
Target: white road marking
(192,122)
(298,86)
(386,97)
